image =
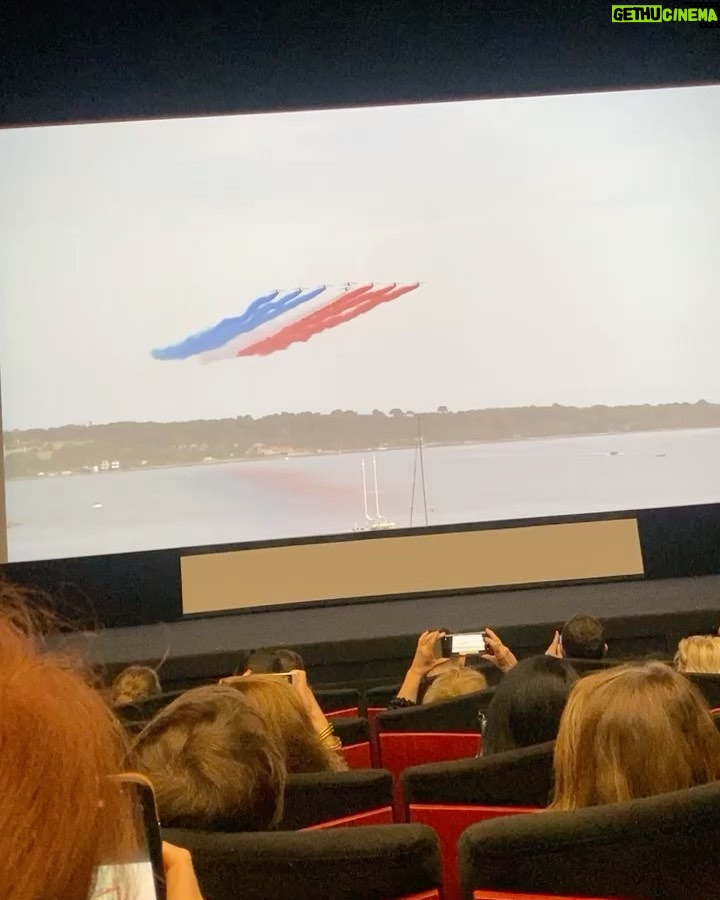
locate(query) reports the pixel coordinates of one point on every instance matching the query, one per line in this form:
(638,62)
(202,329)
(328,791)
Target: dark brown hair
(212,763)
(268,662)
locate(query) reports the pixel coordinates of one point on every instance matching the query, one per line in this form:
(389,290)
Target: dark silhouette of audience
(528,704)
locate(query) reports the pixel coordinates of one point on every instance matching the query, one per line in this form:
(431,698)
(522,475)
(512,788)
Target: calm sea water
(280,498)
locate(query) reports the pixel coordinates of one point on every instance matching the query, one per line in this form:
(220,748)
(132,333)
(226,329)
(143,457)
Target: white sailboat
(375,522)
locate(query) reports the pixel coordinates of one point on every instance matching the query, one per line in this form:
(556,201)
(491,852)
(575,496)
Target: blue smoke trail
(263,309)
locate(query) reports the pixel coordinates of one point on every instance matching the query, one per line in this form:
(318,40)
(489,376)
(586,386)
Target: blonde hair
(699,653)
(134,684)
(632,732)
(288,724)
(454,683)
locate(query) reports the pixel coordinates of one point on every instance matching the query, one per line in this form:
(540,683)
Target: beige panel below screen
(415,564)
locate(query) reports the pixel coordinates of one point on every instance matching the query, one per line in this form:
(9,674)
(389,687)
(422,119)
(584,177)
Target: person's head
(133,685)
(61,813)
(454,683)
(528,704)
(287,721)
(699,653)
(631,732)
(212,763)
(583,637)
(273,662)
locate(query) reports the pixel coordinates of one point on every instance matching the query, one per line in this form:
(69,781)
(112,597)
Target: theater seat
(326,796)
(355,736)
(450,796)
(520,777)
(663,847)
(399,751)
(504,895)
(338,702)
(709,686)
(382,862)
(380,697)
(358,756)
(461,714)
(381,816)
(430,732)
(586,666)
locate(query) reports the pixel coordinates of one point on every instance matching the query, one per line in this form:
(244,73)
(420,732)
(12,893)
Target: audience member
(133,685)
(581,637)
(294,721)
(272,662)
(62,813)
(631,732)
(528,704)
(699,653)
(428,668)
(212,762)
(455,682)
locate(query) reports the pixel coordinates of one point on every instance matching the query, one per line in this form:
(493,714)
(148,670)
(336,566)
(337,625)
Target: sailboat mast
(422,469)
(365,500)
(377,492)
(414,483)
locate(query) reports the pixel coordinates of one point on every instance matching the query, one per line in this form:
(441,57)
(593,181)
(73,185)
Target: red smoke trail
(342,310)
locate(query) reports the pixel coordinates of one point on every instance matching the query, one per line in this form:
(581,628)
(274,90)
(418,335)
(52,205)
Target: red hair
(60,814)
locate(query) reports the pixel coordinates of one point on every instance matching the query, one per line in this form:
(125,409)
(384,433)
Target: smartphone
(462,644)
(142,877)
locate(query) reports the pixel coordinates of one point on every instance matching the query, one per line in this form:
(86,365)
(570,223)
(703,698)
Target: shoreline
(312,454)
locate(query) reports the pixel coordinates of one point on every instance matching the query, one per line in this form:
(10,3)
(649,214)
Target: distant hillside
(129,445)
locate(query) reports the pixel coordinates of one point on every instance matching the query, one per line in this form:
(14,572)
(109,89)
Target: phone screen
(142,876)
(128,881)
(467,643)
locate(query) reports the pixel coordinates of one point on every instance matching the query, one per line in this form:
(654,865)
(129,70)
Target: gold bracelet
(326,732)
(334,744)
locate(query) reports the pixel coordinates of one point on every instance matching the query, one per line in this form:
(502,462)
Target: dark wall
(63,62)
(90,61)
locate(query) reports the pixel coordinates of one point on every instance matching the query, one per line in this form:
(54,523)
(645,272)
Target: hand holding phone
(141,877)
(426,656)
(179,874)
(462,644)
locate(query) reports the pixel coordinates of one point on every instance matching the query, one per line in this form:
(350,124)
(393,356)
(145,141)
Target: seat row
(662,848)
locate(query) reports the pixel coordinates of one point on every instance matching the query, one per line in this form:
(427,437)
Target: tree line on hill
(77,448)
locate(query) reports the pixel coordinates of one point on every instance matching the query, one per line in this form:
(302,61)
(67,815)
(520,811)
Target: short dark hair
(583,637)
(212,763)
(528,704)
(271,662)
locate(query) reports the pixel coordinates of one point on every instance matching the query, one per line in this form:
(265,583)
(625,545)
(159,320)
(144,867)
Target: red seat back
(351,712)
(400,749)
(503,895)
(381,816)
(358,756)
(426,895)
(448,823)
(372,713)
